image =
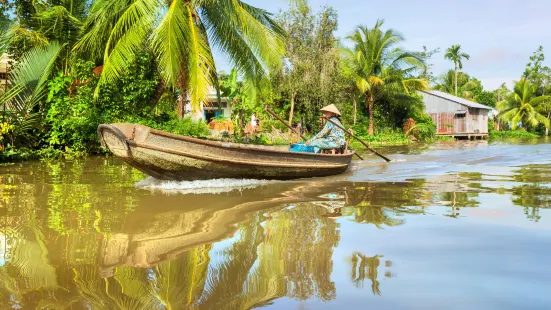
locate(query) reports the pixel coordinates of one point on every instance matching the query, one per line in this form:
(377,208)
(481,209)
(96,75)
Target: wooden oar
(295,131)
(359,140)
(285,123)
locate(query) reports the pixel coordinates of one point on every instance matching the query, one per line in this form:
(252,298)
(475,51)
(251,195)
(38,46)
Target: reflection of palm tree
(364,267)
(227,280)
(532,197)
(27,266)
(129,290)
(181,282)
(376,216)
(303,240)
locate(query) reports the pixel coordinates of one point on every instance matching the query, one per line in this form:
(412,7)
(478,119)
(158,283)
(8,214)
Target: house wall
(478,120)
(213,106)
(454,118)
(201,114)
(444,114)
(434,104)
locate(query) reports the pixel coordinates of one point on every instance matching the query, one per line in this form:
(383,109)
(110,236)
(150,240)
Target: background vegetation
(79,63)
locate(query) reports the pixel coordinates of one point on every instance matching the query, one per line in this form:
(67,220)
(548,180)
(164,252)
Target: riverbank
(390,138)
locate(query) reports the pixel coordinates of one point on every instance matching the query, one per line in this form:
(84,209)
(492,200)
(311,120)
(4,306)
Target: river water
(463,225)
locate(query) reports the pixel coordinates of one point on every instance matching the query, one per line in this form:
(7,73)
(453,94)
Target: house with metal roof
(456,117)
(209,110)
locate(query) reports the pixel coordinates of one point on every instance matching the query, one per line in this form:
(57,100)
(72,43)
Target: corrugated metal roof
(462,101)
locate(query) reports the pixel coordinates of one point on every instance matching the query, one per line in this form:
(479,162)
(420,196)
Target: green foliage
(180,35)
(426,56)
(466,86)
(386,137)
(539,129)
(507,134)
(72,114)
(486,98)
(267,125)
(455,54)
(380,69)
(423,131)
(538,74)
(21,103)
(185,127)
(521,107)
(311,76)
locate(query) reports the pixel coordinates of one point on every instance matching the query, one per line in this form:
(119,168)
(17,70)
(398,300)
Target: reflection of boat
(169,234)
(172,157)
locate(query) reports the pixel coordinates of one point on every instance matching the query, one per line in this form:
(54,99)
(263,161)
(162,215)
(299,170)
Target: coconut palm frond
(539,100)
(126,38)
(379,67)
(520,106)
(180,32)
(97,28)
(34,69)
(29,78)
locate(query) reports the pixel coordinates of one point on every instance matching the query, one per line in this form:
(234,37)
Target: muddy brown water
(463,225)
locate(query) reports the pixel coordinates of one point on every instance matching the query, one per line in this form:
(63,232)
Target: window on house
(3,76)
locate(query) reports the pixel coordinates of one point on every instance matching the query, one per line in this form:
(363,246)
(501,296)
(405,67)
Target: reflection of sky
(435,260)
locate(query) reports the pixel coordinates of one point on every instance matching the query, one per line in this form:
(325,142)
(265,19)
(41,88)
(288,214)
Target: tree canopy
(381,68)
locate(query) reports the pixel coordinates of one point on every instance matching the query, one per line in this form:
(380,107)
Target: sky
(499,35)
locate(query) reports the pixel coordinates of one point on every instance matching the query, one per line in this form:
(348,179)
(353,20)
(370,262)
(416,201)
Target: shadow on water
(81,235)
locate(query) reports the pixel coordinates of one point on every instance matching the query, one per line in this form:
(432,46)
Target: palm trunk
(183,86)
(355,112)
(181,106)
(159,91)
(456,79)
(292,110)
(369,102)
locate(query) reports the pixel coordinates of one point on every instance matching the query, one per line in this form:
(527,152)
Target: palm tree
(45,22)
(62,22)
(379,68)
(28,79)
(180,34)
(454,54)
(462,81)
(521,106)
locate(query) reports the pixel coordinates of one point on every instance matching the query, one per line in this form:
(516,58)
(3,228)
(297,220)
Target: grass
(385,138)
(444,138)
(516,134)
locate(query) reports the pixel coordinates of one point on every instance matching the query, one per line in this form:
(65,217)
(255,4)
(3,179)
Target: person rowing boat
(331,136)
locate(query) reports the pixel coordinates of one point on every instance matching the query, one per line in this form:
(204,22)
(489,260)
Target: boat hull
(167,156)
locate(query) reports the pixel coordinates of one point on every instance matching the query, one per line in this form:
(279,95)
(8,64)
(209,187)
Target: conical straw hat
(331,108)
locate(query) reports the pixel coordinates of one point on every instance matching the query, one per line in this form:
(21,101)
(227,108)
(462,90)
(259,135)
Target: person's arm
(324,132)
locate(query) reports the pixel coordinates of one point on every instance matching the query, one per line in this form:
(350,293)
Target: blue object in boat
(302,148)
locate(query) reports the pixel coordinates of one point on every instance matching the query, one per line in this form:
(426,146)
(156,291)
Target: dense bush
(186,126)
(518,134)
(267,125)
(71,113)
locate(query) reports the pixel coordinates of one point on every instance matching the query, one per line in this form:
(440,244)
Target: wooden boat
(168,156)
